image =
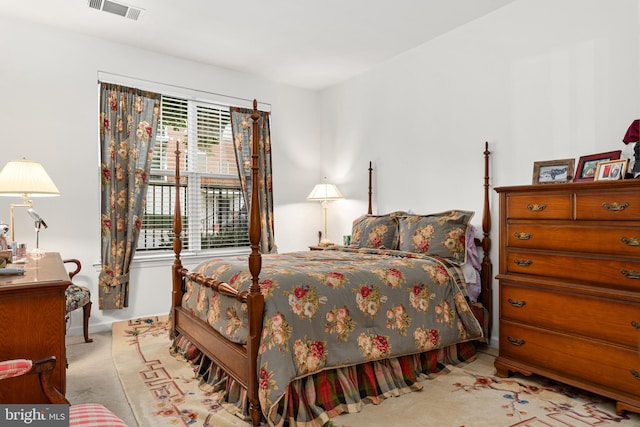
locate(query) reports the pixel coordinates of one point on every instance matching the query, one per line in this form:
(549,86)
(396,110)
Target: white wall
(49,113)
(537,79)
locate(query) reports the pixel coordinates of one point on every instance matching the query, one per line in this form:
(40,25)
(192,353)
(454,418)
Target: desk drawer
(539,206)
(608,240)
(594,363)
(606,319)
(608,206)
(608,272)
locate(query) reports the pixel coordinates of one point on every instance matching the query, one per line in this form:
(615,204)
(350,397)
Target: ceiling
(304,43)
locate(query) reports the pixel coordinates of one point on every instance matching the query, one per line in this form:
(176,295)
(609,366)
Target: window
(213,208)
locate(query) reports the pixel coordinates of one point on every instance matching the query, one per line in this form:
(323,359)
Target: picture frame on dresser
(587,165)
(553,171)
(611,170)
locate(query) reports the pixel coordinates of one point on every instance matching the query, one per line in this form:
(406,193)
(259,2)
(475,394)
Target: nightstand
(322,248)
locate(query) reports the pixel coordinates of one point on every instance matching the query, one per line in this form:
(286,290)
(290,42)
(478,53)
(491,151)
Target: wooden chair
(77,296)
(86,414)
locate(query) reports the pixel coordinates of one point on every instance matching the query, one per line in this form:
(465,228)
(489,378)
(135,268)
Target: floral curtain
(128,119)
(241,125)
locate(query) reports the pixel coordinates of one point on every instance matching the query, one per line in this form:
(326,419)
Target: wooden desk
(32,309)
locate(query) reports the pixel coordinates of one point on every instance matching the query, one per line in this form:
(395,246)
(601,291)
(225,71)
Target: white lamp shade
(24,177)
(325,192)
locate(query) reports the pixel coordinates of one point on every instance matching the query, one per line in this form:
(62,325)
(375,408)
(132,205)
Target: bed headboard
(483,243)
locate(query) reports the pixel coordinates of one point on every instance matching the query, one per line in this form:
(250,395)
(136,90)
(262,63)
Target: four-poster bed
(244,330)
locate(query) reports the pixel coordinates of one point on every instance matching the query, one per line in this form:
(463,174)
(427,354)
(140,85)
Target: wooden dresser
(32,308)
(570,285)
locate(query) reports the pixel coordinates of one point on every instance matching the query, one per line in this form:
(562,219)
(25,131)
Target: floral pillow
(377,232)
(442,234)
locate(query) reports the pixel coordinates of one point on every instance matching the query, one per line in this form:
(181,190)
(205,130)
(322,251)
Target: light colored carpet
(92,377)
(163,392)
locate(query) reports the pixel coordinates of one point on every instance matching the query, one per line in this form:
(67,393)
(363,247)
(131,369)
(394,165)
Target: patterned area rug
(162,391)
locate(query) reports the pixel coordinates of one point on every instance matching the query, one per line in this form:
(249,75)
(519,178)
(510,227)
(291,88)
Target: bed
(298,338)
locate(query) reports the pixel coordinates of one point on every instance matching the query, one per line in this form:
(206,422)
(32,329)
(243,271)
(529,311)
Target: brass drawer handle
(635,374)
(523,262)
(615,206)
(523,236)
(516,303)
(633,274)
(516,341)
(635,325)
(631,241)
(536,207)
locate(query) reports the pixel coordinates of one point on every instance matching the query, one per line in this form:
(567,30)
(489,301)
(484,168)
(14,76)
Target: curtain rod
(250,101)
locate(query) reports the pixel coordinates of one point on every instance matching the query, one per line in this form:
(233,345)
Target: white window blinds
(213,210)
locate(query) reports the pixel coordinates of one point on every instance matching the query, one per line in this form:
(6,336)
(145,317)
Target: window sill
(145,260)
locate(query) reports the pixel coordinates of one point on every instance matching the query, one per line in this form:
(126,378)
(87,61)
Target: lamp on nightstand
(325,192)
(24,178)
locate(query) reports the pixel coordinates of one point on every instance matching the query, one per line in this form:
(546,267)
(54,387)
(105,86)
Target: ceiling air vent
(116,8)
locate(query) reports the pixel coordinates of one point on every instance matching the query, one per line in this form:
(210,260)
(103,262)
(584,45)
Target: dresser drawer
(539,206)
(607,272)
(609,206)
(605,239)
(606,319)
(595,363)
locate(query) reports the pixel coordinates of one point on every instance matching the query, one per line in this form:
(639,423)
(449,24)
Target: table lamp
(24,178)
(325,192)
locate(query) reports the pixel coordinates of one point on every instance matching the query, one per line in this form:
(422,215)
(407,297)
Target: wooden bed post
(176,295)
(487,268)
(255,299)
(370,210)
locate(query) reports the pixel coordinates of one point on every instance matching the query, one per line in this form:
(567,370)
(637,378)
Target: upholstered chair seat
(82,415)
(78,296)
(93,415)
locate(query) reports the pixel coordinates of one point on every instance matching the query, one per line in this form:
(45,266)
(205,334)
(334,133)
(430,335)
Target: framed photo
(611,170)
(553,171)
(587,165)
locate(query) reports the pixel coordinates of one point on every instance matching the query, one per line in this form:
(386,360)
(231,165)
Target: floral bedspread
(325,309)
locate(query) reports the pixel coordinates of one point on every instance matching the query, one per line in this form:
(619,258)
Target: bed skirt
(315,399)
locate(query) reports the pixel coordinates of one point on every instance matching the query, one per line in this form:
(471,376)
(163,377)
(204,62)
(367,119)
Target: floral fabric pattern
(338,307)
(443,234)
(128,119)
(242,130)
(377,232)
